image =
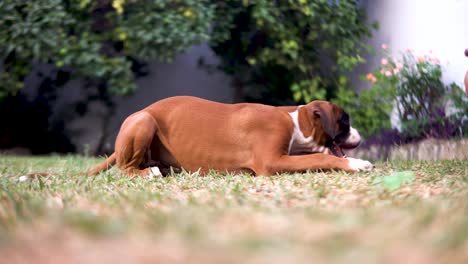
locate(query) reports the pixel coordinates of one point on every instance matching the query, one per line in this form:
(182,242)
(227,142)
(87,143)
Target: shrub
(369,110)
(290,51)
(413,86)
(104,43)
(97,40)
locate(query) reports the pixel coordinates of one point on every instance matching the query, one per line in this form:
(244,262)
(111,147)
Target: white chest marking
(299,144)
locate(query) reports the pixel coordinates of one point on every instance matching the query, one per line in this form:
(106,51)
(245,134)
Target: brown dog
(196,134)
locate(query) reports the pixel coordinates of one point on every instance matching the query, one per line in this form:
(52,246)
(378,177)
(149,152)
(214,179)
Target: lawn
(410,211)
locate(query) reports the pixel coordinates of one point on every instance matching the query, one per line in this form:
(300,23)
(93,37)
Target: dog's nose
(350,145)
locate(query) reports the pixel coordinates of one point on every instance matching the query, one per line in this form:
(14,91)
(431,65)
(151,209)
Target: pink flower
(388,73)
(396,71)
(384,61)
(399,65)
(435,60)
(420,59)
(384,46)
(371,77)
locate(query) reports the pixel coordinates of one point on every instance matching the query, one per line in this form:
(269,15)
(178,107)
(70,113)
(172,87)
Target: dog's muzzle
(352,141)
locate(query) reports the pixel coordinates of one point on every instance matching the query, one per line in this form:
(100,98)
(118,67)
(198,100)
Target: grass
(185,218)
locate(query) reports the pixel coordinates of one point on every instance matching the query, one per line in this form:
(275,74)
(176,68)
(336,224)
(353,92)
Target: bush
(283,52)
(97,40)
(413,86)
(104,43)
(369,110)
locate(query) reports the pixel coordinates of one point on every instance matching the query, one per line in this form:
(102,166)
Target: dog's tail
(105,165)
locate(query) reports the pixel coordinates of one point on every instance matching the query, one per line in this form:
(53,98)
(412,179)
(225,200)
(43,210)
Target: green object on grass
(395,180)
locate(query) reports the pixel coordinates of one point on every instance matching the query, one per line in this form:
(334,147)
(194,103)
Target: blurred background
(72,71)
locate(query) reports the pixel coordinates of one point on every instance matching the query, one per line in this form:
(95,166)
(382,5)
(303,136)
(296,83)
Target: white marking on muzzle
(354,138)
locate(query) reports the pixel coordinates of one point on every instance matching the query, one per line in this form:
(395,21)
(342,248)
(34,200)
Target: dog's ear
(328,123)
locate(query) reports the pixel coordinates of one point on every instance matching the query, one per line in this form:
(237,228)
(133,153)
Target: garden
(407,209)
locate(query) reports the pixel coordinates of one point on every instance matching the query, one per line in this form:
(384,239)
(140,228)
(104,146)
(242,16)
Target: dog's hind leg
(133,142)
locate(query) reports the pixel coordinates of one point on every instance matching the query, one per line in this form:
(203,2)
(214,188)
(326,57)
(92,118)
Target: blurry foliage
(284,52)
(104,43)
(298,50)
(413,85)
(369,109)
(98,40)
(279,52)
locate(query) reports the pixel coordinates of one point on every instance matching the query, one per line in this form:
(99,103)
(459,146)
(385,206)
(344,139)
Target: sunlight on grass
(403,209)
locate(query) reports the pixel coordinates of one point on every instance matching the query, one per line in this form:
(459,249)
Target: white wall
(423,25)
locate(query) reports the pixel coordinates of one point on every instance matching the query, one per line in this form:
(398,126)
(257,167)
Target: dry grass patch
(300,218)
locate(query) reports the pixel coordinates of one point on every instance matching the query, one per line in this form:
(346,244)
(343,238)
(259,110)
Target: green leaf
(395,180)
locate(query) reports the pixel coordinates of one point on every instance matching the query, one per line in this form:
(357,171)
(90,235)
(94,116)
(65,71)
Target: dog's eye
(344,128)
(344,120)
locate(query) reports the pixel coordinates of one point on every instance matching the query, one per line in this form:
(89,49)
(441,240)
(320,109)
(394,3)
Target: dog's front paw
(359,165)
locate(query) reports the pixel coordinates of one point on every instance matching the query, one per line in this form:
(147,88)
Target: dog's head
(330,127)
